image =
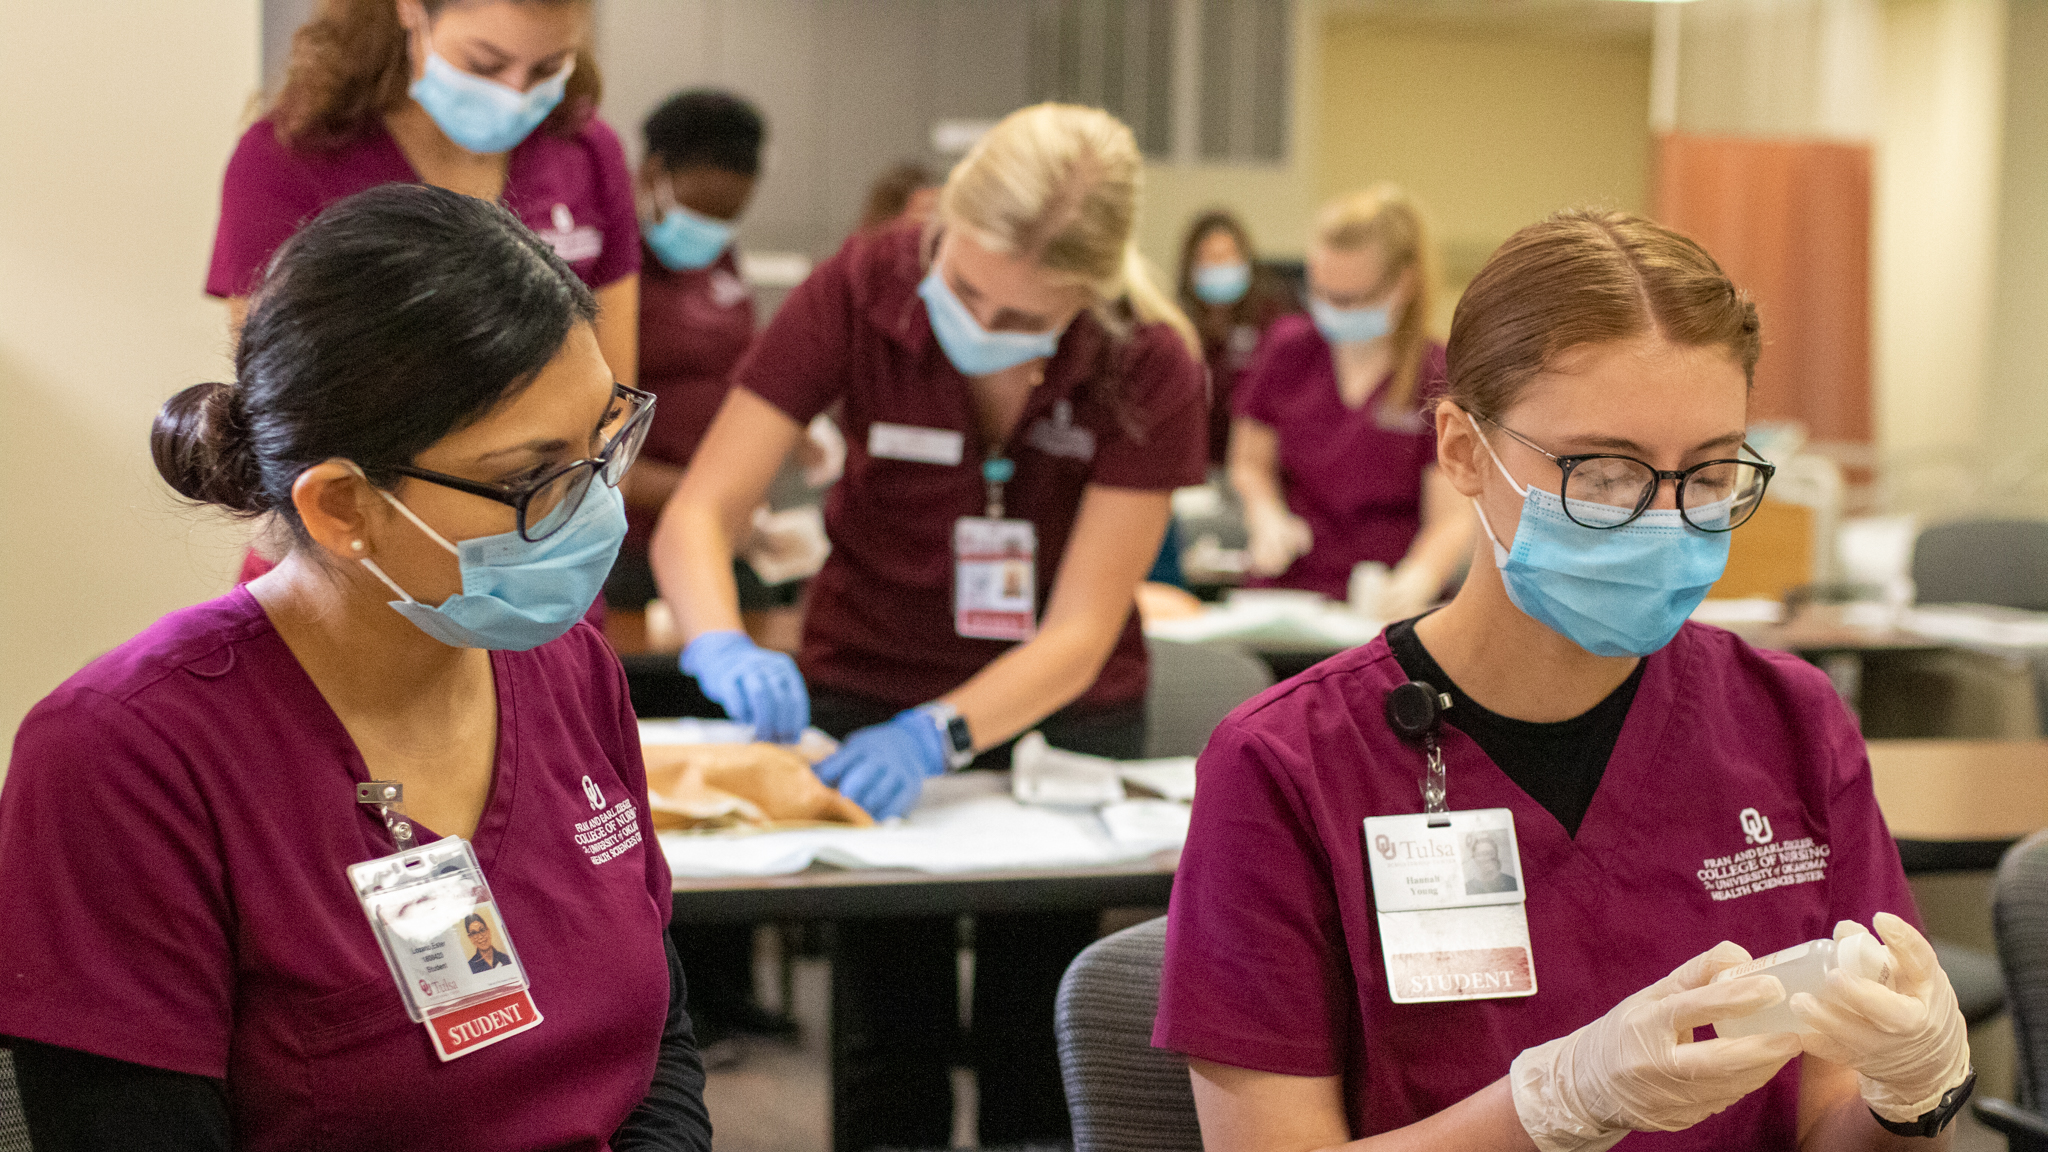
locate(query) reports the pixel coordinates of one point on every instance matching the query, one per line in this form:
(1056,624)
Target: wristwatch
(1934,1119)
(953,731)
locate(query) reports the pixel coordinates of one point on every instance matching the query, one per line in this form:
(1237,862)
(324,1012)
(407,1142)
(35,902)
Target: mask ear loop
(408,513)
(1500,553)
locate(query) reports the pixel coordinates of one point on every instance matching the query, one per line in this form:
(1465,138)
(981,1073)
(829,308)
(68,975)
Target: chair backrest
(1193,687)
(1124,1095)
(13,1125)
(2002,562)
(2019,917)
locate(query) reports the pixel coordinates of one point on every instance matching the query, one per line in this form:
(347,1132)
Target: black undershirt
(1558,764)
(78,1102)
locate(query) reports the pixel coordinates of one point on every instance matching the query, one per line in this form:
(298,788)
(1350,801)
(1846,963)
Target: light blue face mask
(975,350)
(1350,325)
(483,115)
(686,241)
(1221,284)
(519,594)
(1613,591)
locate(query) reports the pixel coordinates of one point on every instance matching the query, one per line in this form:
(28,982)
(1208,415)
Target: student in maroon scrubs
(419,394)
(1669,786)
(1332,449)
(1008,375)
(1232,301)
(493,98)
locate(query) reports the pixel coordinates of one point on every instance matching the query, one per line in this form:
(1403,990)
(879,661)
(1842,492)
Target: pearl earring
(355,545)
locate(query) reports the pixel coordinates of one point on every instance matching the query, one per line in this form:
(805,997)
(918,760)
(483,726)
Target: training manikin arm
(1115,539)
(711,514)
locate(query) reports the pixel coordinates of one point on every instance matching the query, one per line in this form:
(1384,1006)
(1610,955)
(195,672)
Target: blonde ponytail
(1059,183)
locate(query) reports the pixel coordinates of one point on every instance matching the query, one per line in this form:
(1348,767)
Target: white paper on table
(814,745)
(1272,616)
(1158,823)
(1172,777)
(1979,624)
(1042,774)
(1744,611)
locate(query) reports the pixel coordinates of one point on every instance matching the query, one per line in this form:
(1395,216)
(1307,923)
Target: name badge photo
(1450,904)
(446,945)
(995,578)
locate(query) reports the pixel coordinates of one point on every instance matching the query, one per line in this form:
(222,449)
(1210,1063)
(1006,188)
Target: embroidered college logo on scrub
(1768,864)
(594,794)
(612,832)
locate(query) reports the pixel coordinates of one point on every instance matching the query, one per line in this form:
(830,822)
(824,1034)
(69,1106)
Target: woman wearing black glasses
(1345,966)
(420,398)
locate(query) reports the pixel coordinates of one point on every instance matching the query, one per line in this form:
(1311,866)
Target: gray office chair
(2019,916)
(1124,1095)
(1194,686)
(13,1125)
(2002,562)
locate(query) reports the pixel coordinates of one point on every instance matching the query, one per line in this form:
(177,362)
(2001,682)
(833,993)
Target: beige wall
(1490,131)
(2016,401)
(116,119)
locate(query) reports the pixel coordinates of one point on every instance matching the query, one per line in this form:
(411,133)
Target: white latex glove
(1911,1045)
(1277,536)
(787,545)
(1638,1069)
(823,452)
(1412,588)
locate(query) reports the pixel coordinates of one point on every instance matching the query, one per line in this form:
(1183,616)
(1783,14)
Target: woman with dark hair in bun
(421,400)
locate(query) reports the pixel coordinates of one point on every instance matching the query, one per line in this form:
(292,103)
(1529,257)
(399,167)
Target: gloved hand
(822,452)
(882,767)
(1411,589)
(753,685)
(1277,536)
(1638,1069)
(1911,1045)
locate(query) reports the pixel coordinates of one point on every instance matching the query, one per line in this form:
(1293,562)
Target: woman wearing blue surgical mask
(1669,800)
(1020,400)
(496,99)
(421,404)
(1232,301)
(1331,448)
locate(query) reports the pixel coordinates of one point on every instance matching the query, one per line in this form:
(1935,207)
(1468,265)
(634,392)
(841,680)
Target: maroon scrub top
(694,327)
(1273,952)
(880,616)
(175,829)
(1352,473)
(1230,343)
(573,191)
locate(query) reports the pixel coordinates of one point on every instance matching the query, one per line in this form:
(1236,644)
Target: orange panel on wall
(1790,221)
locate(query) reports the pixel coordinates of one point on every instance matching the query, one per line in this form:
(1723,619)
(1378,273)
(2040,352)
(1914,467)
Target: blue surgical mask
(1350,325)
(686,241)
(975,350)
(483,115)
(519,594)
(1615,591)
(1222,284)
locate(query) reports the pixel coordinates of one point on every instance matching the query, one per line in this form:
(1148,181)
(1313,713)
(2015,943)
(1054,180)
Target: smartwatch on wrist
(953,733)
(1934,1119)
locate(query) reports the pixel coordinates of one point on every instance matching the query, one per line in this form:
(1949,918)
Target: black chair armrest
(2026,1131)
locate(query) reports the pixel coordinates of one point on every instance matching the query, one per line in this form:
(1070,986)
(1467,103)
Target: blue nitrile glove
(882,767)
(753,685)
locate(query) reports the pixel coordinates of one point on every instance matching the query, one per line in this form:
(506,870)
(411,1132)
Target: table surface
(1961,790)
(824,893)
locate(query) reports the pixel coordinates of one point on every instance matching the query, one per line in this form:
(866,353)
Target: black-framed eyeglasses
(1607,490)
(544,505)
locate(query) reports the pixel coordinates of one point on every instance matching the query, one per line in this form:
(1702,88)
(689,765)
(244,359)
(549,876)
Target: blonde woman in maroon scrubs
(492,98)
(1331,448)
(1019,401)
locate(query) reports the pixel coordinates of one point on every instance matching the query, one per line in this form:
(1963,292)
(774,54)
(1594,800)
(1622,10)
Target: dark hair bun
(201,446)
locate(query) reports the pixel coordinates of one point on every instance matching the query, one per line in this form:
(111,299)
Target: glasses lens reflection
(554,502)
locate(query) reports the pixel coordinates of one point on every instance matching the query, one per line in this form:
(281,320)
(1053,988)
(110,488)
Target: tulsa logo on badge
(595,795)
(1756,827)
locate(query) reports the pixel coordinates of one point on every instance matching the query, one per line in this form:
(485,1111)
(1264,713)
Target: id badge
(995,578)
(447,946)
(1450,903)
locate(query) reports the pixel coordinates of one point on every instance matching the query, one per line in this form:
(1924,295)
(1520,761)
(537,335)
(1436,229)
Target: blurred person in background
(1331,448)
(1232,301)
(904,193)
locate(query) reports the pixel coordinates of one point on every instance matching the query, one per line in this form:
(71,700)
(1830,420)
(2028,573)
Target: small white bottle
(1804,968)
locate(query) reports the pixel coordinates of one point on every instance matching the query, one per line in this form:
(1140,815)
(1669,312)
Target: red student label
(1477,973)
(465,1030)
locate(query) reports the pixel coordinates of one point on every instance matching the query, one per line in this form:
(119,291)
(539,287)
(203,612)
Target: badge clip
(1415,711)
(388,797)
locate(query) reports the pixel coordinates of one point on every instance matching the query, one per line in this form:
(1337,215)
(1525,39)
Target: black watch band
(1935,1119)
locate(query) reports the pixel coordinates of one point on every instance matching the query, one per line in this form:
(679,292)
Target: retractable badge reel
(441,934)
(995,567)
(1448,886)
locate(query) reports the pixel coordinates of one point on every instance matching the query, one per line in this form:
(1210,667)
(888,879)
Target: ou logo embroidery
(595,795)
(1756,827)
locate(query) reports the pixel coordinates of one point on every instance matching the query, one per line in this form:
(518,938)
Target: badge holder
(442,935)
(995,567)
(1448,887)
